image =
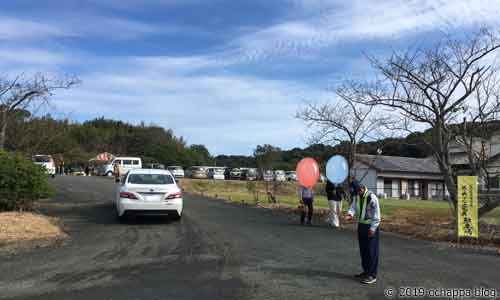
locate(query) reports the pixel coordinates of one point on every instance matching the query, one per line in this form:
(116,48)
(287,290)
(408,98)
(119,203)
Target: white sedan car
(148,192)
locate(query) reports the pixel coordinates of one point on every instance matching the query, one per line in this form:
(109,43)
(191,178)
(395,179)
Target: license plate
(153,198)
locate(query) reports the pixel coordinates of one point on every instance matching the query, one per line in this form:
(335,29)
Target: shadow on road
(98,214)
(147,220)
(312,273)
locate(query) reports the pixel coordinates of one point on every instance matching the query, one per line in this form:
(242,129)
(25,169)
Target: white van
(126,164)
(47,162)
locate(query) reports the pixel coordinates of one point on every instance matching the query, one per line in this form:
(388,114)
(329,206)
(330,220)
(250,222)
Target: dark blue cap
(356,185)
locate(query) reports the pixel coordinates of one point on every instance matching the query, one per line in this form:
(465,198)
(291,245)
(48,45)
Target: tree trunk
(351,159)
(3,129)
(440,143)
(490,205)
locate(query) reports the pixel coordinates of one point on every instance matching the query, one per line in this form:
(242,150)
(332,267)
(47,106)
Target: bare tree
(266,157)
(480,125)
(434,86)
(26,93)
(343,121)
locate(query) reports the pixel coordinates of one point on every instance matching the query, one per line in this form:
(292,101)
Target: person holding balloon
(306,198)
(307,175)
(335,195)
(337,170)
(365,207)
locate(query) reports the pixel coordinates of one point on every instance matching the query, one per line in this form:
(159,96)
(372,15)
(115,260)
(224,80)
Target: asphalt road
(218,251)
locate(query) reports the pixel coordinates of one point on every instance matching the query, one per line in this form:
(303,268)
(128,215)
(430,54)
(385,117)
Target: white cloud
(32,57)
(112,28)
(327,23)
(228,113)
(77,26)
(180,64)
(15,28)
(202,99)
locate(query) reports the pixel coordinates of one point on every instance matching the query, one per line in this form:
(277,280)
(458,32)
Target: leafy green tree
(267,156)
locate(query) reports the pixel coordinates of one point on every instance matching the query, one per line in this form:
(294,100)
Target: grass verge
(432,220)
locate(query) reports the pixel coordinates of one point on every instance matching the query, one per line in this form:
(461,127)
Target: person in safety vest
(365,208)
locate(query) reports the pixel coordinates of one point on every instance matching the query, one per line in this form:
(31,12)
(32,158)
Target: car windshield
(150,179)
(42,159)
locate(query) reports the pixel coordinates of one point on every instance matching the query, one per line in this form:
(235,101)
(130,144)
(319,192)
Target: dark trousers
(368,249)
(309,203)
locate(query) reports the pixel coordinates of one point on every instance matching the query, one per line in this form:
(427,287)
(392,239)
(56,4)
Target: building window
(388,187)
(494,182)
(413,188)
(437,190)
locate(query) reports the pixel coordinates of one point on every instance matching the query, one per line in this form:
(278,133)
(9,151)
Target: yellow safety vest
(361,203)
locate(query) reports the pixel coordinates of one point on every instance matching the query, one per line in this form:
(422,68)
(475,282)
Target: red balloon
(307,172)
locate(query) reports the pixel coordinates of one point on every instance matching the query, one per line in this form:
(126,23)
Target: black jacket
(334,191)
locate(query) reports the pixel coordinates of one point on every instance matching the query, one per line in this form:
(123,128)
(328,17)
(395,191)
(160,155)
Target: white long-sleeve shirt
(372,210)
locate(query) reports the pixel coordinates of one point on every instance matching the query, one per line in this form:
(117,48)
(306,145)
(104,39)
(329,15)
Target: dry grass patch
(27,230)
(437,226)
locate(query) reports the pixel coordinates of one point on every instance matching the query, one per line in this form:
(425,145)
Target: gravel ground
(218,251)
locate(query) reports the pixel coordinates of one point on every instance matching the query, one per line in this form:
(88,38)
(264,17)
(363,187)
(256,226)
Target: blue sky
(225,73)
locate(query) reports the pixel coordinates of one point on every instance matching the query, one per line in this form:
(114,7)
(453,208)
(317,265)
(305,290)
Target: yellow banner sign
(467,206)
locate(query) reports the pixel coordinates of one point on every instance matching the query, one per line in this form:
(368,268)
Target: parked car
(197,172)
(279,175)
(267,175)
(235,173)
(76,171)
(249,174)
(154,166)
(126,164)
(177,171)
(148,192)
(47,162)
(216,173)
(291,176)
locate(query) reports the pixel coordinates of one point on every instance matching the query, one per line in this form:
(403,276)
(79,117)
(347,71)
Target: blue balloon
(337,169)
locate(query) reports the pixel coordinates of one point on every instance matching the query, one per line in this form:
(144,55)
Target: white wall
(404,187)
(369,180)
(395,188)
(366,175)
(380,187)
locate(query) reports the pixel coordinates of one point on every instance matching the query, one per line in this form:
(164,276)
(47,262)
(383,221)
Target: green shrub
(252,189)
(21,182)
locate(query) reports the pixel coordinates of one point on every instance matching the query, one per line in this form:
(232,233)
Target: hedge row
(22,182)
